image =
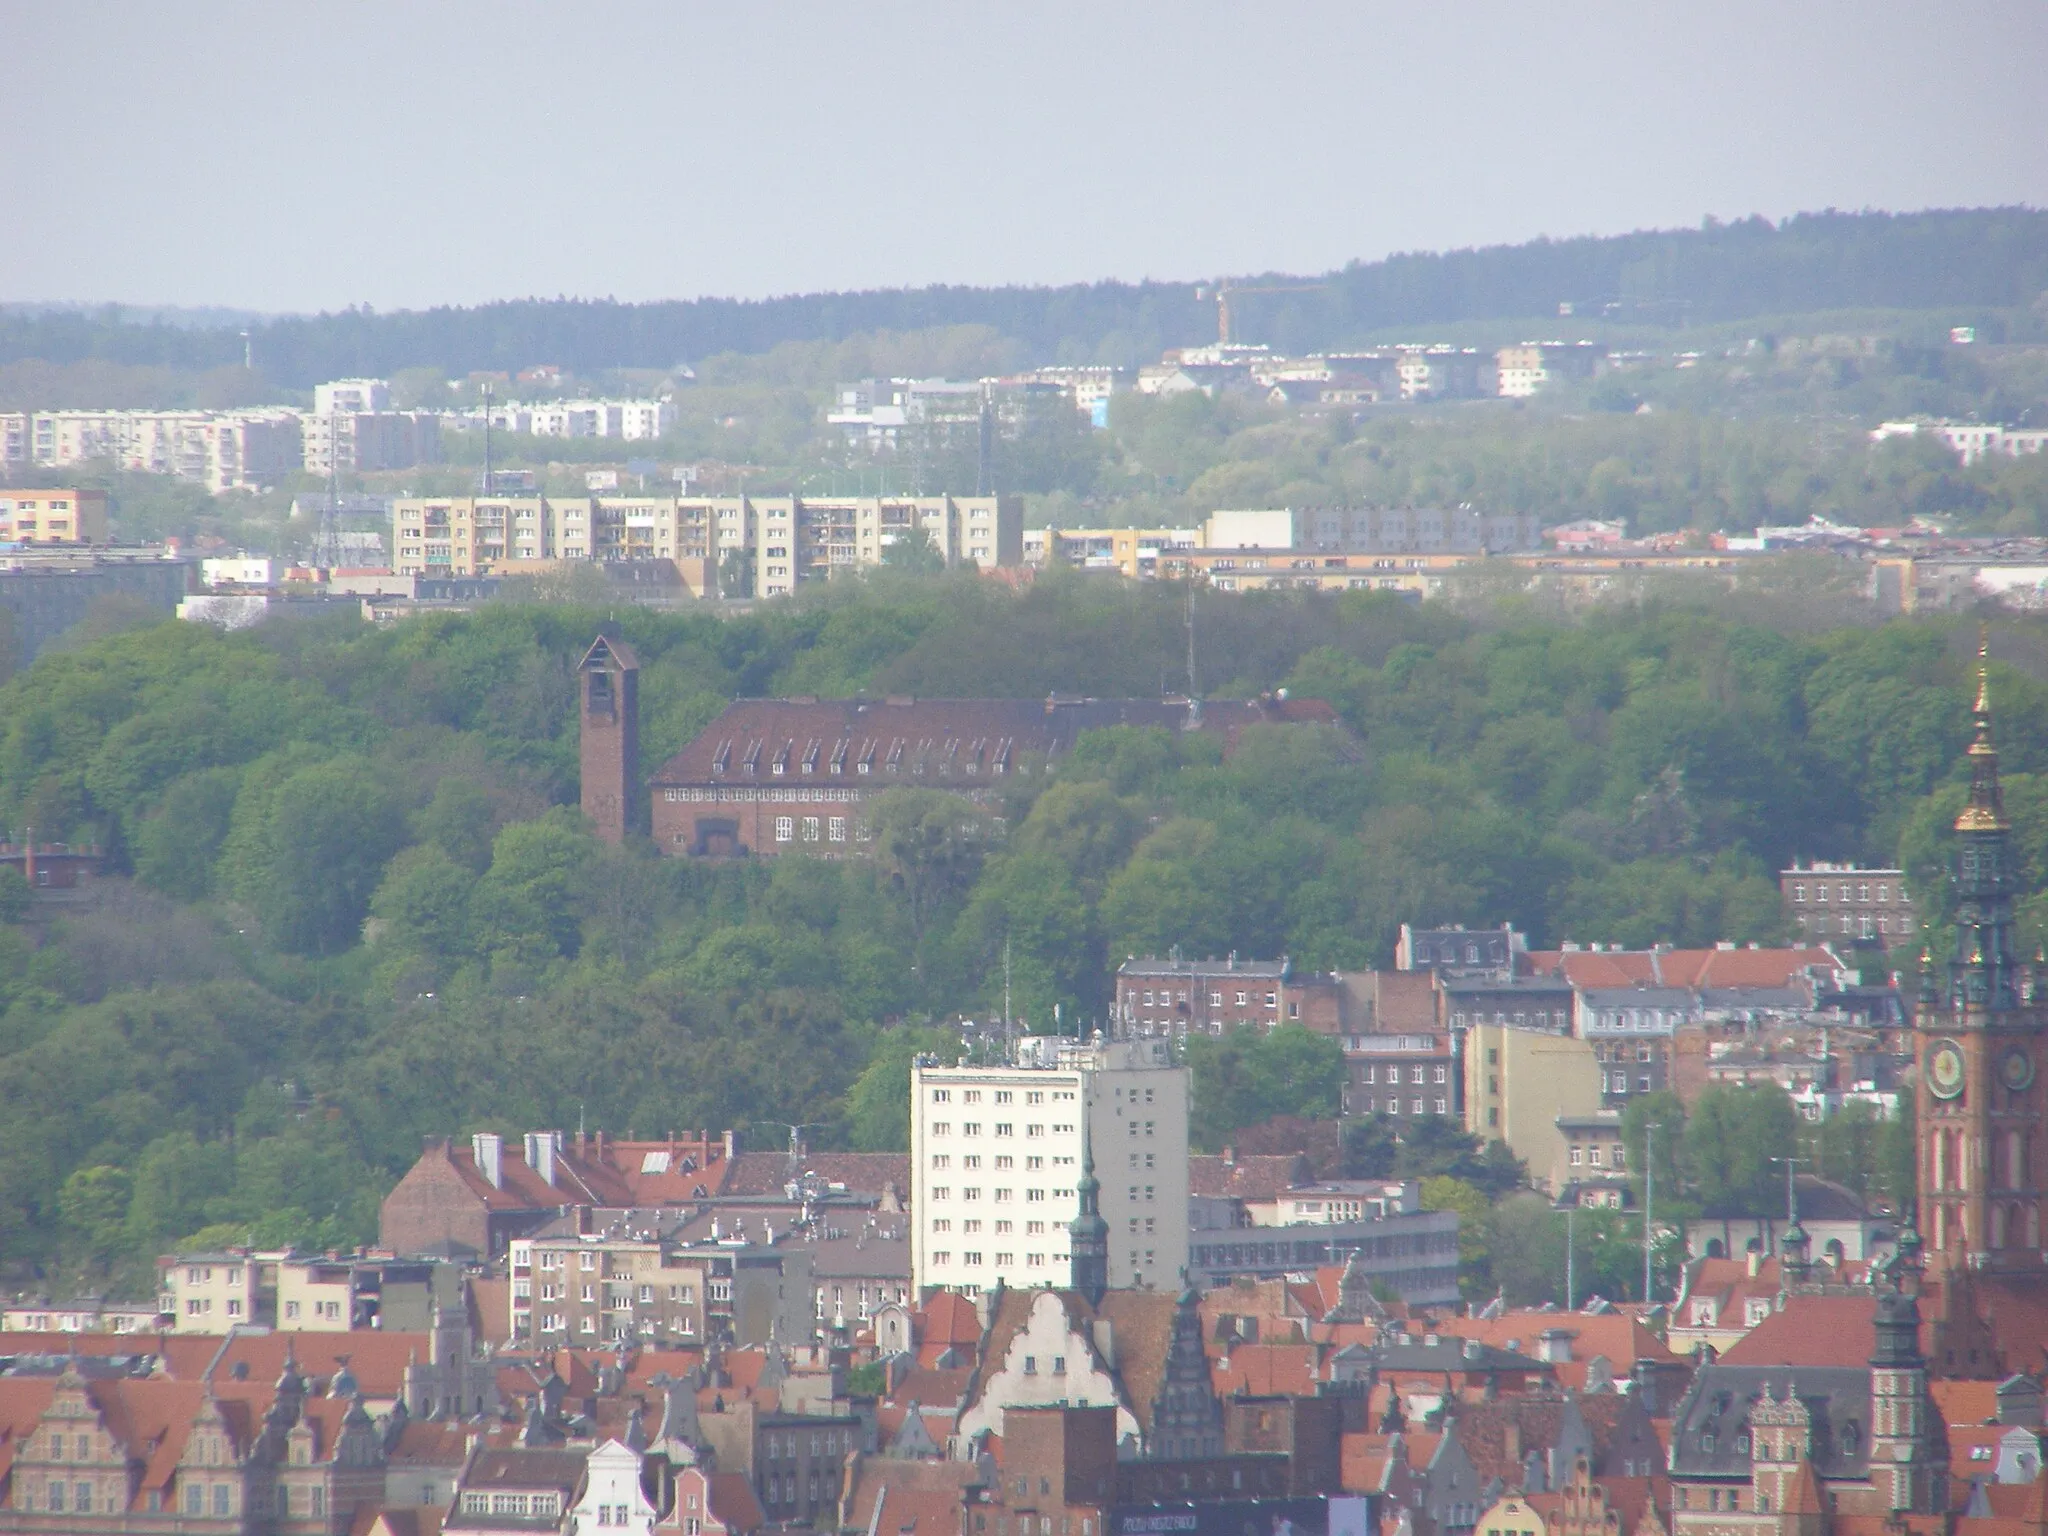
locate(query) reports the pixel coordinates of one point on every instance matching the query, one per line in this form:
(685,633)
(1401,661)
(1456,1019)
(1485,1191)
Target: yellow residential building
(69,516)
(1518,1082)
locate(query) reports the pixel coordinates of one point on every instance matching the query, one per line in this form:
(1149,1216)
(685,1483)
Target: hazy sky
(278,155)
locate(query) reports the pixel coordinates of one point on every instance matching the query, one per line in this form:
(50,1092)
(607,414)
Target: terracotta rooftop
(1255,1177)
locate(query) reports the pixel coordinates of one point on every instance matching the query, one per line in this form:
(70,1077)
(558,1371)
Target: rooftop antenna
(1194,691)
(248,353)
(1006,985)
(984,473)
(487,437)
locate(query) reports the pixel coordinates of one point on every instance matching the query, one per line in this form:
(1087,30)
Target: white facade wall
(996,1153)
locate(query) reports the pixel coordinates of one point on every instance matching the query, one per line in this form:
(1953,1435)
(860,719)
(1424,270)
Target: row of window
(1862,889)
(1002,1128)
(1439,1073)
(970,1227)
(971,1162)
(1861,925)
(542,1506)
(834,829)
(1617,1154)
(1003,1096)
(760,796)
(1244,999)
(1391,1105)
(1522,1018)
(973,1192)
(972,1257)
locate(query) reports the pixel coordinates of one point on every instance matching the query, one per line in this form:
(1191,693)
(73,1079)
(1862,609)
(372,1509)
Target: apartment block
(619,1286)
(1839,901)
(363,441)
(209,1292)
(1520,1082)
(1524,370)
(1131,552)
(15,437)
(222,450)
(468,535)
(1972,440)
(1176,997)
(996,1152)
(791,540)
(627,420)
(68,516)
(1373,530)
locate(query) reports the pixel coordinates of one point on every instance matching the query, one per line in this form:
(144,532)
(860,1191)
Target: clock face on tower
(1945,1069)
(2016,1068)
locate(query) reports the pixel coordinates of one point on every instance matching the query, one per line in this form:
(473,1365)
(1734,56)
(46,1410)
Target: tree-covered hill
(1988,260)
(353,903)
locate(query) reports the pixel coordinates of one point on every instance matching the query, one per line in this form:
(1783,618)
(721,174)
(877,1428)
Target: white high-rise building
(996,1152)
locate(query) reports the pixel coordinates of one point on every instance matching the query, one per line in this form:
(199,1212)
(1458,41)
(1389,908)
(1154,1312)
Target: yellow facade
(1518,1082)
(68,516)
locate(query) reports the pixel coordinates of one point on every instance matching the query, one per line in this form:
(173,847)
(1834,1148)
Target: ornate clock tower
(1982,1101)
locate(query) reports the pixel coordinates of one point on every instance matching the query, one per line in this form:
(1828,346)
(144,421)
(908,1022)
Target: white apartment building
(996,1152)
(351,397)
(793,540)
(353,441)
(208,1292)
(627,420)
(1525,369)
(222,450)
(1374,530)
(1973,440)
(14,439)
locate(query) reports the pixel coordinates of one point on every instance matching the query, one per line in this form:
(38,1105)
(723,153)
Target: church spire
(1984,972)
(1088,1235)
(1986,810)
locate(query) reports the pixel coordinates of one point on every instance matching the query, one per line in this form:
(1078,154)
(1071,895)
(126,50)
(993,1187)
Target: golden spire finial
(1983,667)
(1986,810)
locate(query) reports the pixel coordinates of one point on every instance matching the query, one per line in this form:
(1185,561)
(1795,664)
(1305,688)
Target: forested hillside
(1988,260)
(355,905)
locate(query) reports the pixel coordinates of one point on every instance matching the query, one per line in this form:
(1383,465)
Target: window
(1799,891)
(785,829)
(836,829)
(811,829)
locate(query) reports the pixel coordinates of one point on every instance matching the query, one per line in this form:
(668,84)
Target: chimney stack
(490,1157)
(541,1149)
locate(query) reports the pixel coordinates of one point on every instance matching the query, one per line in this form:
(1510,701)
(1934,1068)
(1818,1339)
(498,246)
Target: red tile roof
(732,1502)
(1246,1177)
(1266,1370)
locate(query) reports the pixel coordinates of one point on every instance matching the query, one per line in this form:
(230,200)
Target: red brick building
(773,776)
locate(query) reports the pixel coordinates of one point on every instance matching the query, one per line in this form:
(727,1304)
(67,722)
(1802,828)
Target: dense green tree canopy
(363,907)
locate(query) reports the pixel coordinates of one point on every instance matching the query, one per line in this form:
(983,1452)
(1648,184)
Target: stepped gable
(1143,1327)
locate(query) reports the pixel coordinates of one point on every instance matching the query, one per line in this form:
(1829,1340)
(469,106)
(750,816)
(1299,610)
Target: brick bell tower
(610,677)
(1979,1034)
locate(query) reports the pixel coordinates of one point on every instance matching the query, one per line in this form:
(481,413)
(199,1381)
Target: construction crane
(1227,290)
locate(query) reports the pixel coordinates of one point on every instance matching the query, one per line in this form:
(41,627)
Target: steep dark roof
(1708,1435)
(935,743)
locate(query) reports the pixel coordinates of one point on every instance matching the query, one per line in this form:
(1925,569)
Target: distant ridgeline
(1994,258)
